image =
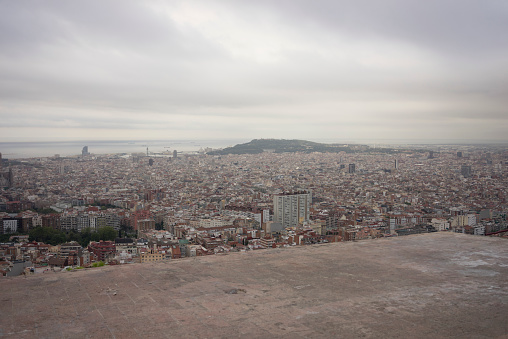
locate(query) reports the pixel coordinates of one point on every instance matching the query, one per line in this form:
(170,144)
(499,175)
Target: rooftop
(420,286)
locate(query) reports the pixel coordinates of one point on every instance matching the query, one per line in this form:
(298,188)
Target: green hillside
(282,145)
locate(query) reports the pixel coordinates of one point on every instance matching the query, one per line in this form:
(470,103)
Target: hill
(257,146)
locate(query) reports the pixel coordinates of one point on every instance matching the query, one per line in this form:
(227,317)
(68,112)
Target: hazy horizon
(31,149)
(334,70)
(246,140)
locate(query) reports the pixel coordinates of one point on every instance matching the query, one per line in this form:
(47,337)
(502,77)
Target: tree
(127,231)
(107,233)
(95,236)
(51,236)
(47,235)
(73,236)
(46,210)
(57,238)
(86,237)
(36,234)
(5,237)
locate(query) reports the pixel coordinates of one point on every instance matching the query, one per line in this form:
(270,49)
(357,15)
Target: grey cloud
(128,65)
(450,26)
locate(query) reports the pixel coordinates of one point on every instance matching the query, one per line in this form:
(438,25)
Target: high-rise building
(291,209)
(459,154)
(10,225)
(465,170)
(175,154)
(396,165)
(84,151)
(6,176)
(352,168)
(431,154)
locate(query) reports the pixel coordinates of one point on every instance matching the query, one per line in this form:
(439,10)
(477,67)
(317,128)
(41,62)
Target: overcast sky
(354,70)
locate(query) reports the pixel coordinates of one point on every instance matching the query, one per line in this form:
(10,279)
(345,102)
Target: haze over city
(253,169)
(368,70)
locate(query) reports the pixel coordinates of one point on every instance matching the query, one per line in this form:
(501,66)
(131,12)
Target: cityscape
(145,207)
(253,169)
(93,213)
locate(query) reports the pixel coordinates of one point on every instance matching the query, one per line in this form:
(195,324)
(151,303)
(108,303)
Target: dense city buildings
(206,204)
(102,250)
(133,205)
(165,226)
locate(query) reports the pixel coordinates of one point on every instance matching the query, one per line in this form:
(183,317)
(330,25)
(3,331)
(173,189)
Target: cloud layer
(391,69)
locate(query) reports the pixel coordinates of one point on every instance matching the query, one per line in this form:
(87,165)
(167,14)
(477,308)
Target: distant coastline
(31,149)
(19,150)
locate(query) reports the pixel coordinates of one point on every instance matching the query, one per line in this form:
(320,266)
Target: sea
(20,150)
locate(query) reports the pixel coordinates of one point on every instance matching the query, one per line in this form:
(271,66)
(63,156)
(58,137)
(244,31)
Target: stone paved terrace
(439,285)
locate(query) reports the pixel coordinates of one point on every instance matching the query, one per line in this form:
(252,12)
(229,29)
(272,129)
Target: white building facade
(292,209)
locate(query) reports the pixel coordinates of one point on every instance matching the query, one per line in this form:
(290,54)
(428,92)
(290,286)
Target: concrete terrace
(439,285)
